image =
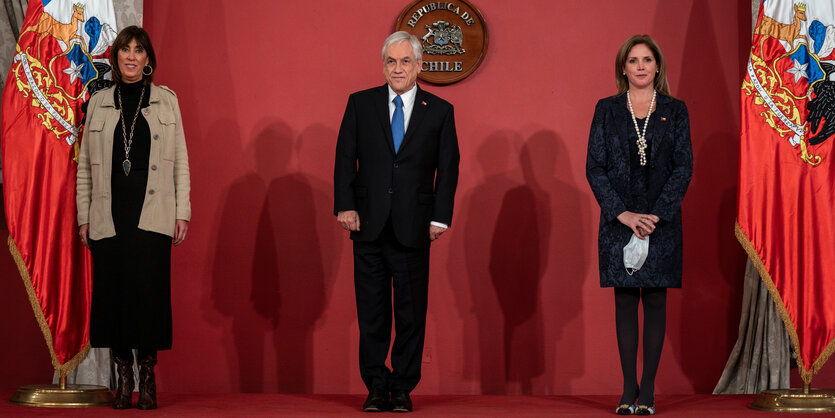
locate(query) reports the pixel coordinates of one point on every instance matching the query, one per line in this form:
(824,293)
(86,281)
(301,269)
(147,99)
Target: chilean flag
(786,197)
(60,56)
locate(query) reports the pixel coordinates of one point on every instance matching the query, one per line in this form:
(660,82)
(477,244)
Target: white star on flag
(799,70)
(74,71)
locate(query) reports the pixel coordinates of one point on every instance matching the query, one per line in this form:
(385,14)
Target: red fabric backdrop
(263,292)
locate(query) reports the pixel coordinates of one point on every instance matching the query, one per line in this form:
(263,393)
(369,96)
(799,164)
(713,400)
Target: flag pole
(796,400)
(62,395)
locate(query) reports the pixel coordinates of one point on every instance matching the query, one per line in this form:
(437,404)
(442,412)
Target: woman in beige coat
(133,203)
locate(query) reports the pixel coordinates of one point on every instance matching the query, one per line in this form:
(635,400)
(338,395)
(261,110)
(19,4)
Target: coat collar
(383,114)
(418,112)
(622,113)
(659,123)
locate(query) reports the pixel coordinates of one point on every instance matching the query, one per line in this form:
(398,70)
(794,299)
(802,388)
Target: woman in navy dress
(639,165)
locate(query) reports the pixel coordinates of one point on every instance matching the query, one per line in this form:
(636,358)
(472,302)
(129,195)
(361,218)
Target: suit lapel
(418,112)
(382,109)
(624,121)
(658,124)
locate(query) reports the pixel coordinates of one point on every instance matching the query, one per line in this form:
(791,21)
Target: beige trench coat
(167,192)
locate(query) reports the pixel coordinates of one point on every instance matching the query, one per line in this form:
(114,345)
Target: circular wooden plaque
(453,34)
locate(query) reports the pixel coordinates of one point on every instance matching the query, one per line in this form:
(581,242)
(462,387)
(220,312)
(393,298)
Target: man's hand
(348,220)
(435,232)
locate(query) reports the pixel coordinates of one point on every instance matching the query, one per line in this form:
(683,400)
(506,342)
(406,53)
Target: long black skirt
(131,303)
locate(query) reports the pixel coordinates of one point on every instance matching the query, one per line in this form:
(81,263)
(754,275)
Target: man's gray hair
(403,36)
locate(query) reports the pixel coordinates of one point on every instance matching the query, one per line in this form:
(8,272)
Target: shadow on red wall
(263,292)
(269,273)
(510,214)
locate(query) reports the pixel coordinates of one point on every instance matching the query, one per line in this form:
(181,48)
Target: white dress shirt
(408,105)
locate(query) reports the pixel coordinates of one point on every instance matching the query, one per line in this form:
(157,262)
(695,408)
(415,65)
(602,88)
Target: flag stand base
(795,400)
(62,395)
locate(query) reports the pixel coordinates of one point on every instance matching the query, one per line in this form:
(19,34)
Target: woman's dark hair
(122,40)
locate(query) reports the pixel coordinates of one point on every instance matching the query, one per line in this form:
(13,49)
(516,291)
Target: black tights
(626,321)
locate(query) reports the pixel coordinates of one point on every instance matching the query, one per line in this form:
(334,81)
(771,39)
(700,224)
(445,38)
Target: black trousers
(381,266)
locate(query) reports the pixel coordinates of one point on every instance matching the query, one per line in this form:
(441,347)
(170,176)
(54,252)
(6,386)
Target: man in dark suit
(394,184)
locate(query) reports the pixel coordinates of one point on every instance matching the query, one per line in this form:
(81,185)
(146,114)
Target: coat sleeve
(345,167)
(446,179)
(84,178)
(182,176)
(598,165)
(669,201)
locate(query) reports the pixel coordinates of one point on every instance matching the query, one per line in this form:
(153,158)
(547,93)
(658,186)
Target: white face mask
(635,253)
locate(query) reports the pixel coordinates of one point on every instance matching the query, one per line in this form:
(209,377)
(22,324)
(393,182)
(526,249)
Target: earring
(148,70)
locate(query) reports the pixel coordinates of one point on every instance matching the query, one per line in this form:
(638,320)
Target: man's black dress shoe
(400,401)
(377,401)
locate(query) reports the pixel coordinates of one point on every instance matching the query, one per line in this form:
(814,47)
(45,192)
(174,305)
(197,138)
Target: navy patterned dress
(621,184)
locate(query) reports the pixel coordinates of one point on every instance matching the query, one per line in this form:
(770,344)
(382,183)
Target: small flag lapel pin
(663,119)
(423,103)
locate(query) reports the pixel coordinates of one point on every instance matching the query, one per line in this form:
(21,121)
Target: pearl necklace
(642,136)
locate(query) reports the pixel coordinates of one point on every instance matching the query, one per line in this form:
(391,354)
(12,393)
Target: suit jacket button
(154,167)
(156,136)
(396,165)
(151,191)
(391,190)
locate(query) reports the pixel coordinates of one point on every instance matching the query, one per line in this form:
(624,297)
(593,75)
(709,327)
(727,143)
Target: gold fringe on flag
(62,369)
(805,375)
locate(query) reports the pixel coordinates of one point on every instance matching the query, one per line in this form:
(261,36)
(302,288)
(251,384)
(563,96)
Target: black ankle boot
(124,384)
(147,382)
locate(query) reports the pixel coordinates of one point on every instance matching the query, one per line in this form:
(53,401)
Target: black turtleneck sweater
(141,146)
(129,191)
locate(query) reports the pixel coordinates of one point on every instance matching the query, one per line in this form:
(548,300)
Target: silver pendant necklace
(642,136)
(128,140)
